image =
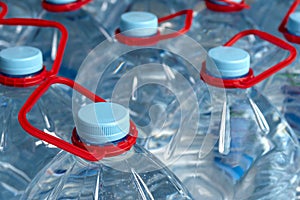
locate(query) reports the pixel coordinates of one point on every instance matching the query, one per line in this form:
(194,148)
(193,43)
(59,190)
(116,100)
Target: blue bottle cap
(21,60)
(293,25)
(231,62)
(60,1)
(100,123)
(138,24)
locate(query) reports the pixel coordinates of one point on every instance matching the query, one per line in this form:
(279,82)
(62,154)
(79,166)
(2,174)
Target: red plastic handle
(64,7)
(88,152)
(251,79)
(282,27)
(230,6)
(134,41)
(29,81)
(4,9)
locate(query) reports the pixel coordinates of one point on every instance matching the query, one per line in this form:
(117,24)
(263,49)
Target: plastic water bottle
(107,12)
(85,33)
(213,25)
(255,144)
(157,82)
(133,174)
(22,156)
(159,8)
(268,14)
(10,36)
(287,81)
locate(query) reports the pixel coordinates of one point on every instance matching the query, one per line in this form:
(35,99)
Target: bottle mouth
(21,66)
(109,149)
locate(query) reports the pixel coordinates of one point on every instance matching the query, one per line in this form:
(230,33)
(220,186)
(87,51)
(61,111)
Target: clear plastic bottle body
(108,12)
(84,33)
(282,90)
(268,14)
(254,147)
(10,35)
(211,28)
(21,155)
(157,85)
(136,174)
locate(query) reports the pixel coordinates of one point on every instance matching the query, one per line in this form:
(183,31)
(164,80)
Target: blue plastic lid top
(293,25)
(21,60)
(231,62)
(100,123)
(138,24)
(60,1)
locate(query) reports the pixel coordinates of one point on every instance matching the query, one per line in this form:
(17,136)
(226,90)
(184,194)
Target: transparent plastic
(268,14)
(84,34)
(230,144)
(244,151)
(9,35)
(21,155)
(108,12)
(211,28)
(136,174)
(282,90)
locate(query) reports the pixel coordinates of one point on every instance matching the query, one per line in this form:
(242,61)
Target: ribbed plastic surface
(138,24)
(21,60)
(231,62)
(100,123)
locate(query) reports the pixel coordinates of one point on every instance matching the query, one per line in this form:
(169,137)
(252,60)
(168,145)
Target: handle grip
(230,6)
(4,9)
(29,81)
(251,79)
(282,27)
(88,152)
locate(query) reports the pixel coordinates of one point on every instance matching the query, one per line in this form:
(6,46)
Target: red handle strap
(229,7)
(29,81)
(88,152)
(282,27)
(250,80)
(4,9)
(64,7)
(145,41)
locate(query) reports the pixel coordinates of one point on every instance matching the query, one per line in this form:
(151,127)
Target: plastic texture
(250,80)
(102,123)
(283,26)
(231,62)
(21,60)
(136,174)
(144,24)
(145,41)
